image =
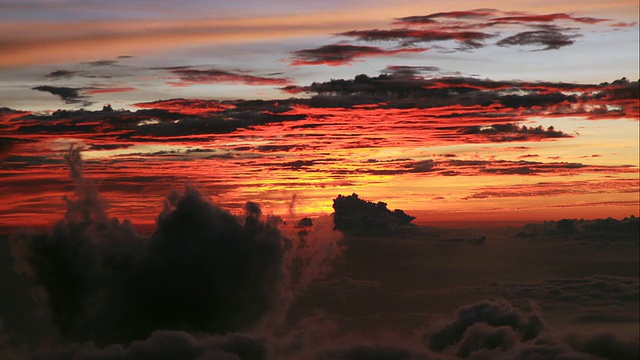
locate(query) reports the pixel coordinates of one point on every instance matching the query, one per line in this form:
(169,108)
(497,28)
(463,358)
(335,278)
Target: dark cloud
(409,37)
(67,94)
(410,71)
(549,18)
(353,215)
(166,345)
(100,63)
(468,29)
(609,230)
(604,345)
(549,39)
(431,18)
(364,352)
(189,76)
(61,74)
(513,132)
(342,54)
(202,269)
(486,325)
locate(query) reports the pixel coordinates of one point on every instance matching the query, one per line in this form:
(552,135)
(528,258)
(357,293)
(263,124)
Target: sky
(489,111)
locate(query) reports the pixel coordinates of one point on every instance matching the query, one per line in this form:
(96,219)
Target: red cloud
(187,106)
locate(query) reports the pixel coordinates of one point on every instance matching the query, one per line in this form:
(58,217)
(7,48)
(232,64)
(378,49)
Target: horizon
(490,115)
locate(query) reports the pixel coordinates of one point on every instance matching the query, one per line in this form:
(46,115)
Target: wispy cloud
(342,54)
(191,76)
(474,28)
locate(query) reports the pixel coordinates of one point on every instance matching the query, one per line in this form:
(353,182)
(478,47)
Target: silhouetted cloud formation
(190,76)
(356,216)
(627,229)
(342,54)
(470,29)
(202,269)
(67,94)
(548,39)
(410,37)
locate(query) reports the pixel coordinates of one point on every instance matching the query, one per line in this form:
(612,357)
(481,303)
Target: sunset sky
(478,111)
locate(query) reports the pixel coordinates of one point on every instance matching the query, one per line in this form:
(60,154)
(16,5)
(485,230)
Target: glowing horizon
(494,114)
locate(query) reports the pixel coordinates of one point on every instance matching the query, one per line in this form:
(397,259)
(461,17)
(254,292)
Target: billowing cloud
(342,54)
(486,325)
(203,269)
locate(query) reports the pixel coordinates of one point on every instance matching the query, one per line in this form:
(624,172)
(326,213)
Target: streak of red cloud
(187,106)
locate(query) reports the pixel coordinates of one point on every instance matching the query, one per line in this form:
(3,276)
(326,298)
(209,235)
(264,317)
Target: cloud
(549,39)
(513,132)
(549,18)
(485,325)
(342,54)
(100,63)
(187,106)
(67,94)
(61,74)
(468,29)
(167,345)
(189,76)
(106,283)
(353,215)
(409,37)
(431,18)
(416,71)
(201,270)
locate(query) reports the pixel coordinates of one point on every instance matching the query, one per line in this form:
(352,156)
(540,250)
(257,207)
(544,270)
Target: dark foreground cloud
(495,329)
(203,269)
(486,325)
